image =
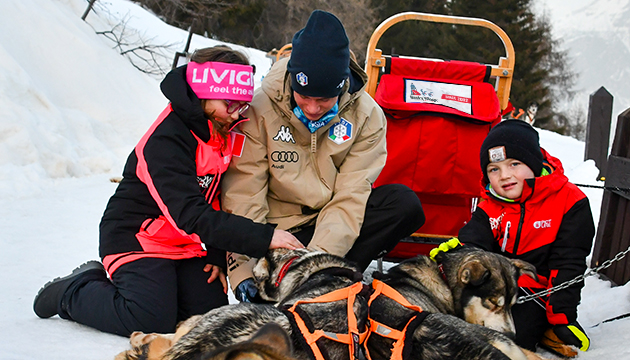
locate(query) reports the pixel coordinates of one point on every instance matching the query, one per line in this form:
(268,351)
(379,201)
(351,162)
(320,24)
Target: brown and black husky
(284,277)
(465,300)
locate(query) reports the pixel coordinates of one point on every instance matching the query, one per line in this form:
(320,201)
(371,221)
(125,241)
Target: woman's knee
(162,323)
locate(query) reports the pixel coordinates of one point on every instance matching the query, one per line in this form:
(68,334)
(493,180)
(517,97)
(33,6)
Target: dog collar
(441,268)
(284,269)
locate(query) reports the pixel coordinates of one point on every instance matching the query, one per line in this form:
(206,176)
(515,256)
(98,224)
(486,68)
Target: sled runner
(438,113)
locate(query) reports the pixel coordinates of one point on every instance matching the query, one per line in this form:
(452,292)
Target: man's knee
(406,203)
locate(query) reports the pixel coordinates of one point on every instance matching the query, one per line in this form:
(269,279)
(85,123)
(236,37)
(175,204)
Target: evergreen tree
(412,38)
(531,37)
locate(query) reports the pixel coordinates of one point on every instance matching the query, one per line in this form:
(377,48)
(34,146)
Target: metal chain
(564,285)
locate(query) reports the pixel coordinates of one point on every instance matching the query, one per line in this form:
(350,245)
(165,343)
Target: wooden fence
(613,232)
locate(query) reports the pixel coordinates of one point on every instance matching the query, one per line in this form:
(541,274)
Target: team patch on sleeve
(238,142)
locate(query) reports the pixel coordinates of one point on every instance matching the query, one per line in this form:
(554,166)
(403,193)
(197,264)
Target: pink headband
(218,80)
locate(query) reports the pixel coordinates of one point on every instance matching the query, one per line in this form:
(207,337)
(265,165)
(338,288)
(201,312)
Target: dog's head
(272,275)
(484,286)
(282,271)
(271,342)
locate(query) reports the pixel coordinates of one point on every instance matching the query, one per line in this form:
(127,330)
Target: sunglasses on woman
(233,106)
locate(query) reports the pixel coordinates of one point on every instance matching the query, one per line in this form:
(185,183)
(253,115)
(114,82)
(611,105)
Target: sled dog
(271,342)
(456,308)
(292,280)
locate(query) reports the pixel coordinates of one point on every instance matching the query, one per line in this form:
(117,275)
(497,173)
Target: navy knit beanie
(513,139)
(320,57)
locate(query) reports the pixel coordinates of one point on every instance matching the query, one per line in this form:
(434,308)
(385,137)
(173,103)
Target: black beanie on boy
(512,139)
(320,57)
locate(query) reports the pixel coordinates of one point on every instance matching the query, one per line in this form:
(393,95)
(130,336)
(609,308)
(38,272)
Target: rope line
(609,188)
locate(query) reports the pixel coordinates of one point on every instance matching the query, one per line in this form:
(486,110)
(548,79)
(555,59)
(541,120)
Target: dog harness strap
(353,338)
(399,336)
(382,288)
(298,332)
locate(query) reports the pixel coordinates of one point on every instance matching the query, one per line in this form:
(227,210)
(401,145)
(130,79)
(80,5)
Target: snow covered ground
(71,109)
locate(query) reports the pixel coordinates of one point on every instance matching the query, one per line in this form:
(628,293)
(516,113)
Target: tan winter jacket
(290,177)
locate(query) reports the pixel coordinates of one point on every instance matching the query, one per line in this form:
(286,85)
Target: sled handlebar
(503,70)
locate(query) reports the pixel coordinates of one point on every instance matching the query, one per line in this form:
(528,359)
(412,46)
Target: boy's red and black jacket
(550,226)
(166,206)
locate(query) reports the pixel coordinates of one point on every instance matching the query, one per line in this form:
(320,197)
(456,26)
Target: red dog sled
(438,113)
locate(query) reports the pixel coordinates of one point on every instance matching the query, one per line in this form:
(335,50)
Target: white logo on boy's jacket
(284,134)
(496,222)
(542,224)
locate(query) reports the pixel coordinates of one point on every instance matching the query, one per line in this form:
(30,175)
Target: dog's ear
(261,270)
(473,273)
(274,336)
(525,268)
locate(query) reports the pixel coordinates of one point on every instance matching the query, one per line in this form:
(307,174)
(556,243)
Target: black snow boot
(48,299)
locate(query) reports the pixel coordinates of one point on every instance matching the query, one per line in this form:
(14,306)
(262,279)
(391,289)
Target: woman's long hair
(219,53)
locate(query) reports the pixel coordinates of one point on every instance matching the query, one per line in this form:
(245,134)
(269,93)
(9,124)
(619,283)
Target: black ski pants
(393,212)
(530,320)
(148,295)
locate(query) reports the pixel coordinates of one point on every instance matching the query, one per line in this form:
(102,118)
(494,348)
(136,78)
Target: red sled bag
(438,114)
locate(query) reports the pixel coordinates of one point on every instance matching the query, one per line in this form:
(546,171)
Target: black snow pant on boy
(148,295)
(530,320)
(392,213)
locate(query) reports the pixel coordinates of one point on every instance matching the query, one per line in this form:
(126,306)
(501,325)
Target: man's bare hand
(284,239)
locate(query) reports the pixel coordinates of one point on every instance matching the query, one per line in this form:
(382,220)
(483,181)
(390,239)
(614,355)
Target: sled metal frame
(503,71)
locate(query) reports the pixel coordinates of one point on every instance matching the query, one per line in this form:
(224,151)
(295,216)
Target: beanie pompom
(320,57)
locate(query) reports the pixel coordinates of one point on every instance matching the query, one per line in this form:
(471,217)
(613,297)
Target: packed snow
(71,110)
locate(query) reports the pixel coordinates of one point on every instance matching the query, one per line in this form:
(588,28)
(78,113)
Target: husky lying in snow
(426,323)
(481,288)
(286,277)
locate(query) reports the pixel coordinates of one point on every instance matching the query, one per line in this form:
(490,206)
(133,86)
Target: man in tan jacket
(313,147)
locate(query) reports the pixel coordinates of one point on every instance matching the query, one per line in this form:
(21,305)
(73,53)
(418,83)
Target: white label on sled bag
(455,96)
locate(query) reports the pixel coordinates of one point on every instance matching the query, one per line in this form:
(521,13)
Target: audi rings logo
(285,156)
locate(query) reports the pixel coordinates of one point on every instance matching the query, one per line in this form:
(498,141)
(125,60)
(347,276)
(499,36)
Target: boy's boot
(48,299)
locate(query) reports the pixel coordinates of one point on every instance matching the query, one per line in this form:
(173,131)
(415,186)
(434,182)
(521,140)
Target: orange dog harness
(354,339)
(399,352)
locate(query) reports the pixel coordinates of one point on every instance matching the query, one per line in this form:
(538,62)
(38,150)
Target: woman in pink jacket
(163,237)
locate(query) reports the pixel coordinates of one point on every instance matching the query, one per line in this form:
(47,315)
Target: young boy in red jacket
(533,213)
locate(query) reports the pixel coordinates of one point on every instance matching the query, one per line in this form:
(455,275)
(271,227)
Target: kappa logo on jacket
(284,134)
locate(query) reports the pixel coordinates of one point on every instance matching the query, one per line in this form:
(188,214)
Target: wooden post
(613,231)
(598,128)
